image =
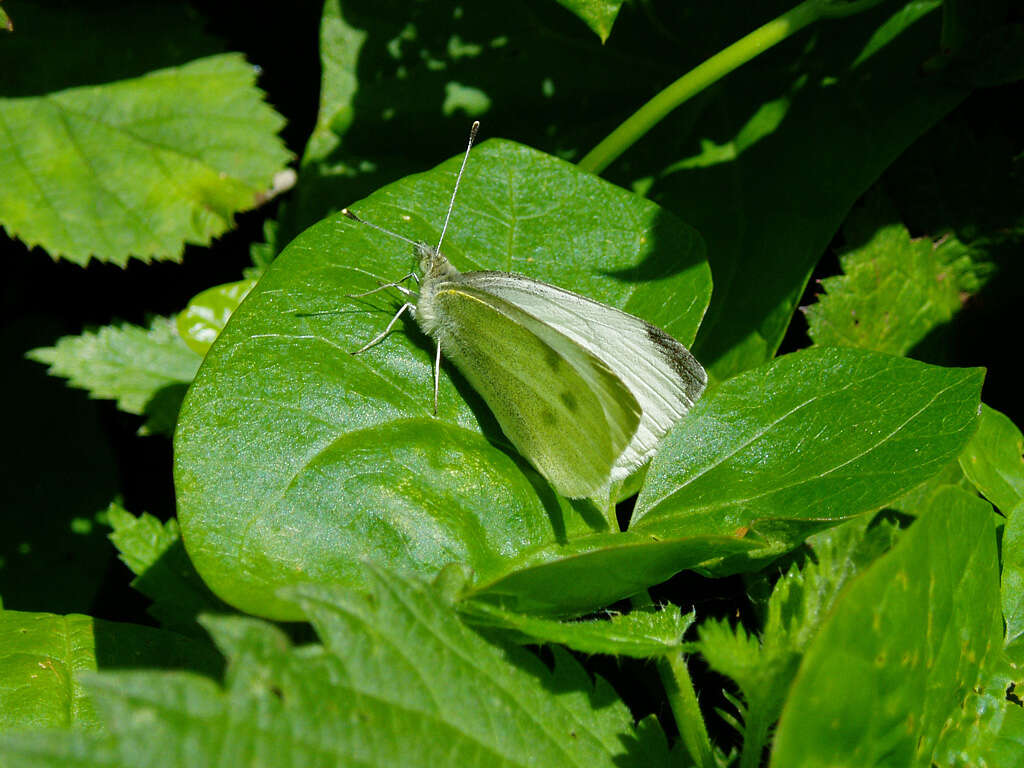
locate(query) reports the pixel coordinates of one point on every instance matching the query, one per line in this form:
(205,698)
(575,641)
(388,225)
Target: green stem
(675,678)
(682,698)
(709,72)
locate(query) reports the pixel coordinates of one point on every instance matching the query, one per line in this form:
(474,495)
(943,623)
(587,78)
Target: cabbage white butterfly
(584,391)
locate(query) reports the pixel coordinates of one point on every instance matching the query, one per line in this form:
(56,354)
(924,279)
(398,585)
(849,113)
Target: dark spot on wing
(683,364)
(548,416)
(569,399)
(552,358)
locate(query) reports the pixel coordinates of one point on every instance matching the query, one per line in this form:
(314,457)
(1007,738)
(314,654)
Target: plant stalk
(712,70)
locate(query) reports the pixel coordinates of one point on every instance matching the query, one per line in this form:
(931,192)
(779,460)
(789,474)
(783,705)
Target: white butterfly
(584,391)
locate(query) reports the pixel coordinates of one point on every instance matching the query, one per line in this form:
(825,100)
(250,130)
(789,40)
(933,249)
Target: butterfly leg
(437,374)
(383,286)
(386,330)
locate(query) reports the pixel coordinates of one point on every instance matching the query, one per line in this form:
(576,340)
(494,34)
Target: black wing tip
(680,359)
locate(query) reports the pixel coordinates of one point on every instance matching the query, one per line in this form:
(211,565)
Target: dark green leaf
(992,460)
(145,370)
(789,145)
(813,437)
(41,655)
(294,458)
(138,167)
(897,657)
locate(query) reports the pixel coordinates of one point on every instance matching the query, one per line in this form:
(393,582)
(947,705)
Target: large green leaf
(41,656)
(887,677)
(813,437)
(398,680)
(787,145)
(138,167)
(294,458)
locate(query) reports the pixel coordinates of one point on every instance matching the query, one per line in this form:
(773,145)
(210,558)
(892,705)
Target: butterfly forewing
(659,371)
(562,407)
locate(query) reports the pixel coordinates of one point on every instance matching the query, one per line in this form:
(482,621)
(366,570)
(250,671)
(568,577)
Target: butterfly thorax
(436,270)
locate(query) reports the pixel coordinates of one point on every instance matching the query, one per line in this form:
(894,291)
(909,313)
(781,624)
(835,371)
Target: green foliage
(916,633)
(145,370)
(450,607)
(120,170)
(408,683)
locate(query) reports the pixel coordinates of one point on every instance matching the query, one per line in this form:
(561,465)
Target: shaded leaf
(907,641)
(153,551)
(145,370)
(790,145)
(42,655)
(138,167)
(993,460)
(810,439)
(343,458)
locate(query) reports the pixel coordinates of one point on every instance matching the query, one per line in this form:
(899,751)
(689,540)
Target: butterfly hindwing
(563,408)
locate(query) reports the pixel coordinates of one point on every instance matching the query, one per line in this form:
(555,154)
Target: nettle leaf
(41,655)
(294,459)
(788,147)
(138,167)
(887,677)
(993,462)
(894,289)
(398,680)
(764,667)
(153,551)
(599,15)
(643,633)
(145,370)
(806,441)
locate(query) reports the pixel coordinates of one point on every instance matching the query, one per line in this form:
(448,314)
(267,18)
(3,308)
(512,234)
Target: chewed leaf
(294,458)
(138,168)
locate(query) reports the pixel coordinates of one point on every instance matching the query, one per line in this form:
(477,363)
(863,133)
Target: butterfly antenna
(349,214)
(472,137)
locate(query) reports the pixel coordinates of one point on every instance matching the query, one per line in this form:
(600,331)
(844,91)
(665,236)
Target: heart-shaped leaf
(295,459)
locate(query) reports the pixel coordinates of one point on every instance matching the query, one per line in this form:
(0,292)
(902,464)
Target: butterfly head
(433,263)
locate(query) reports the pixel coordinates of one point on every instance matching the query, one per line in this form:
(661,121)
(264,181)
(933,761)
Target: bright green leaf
(207,313)
(599,15)
(163,573)
(1012,587)
(295,459)
(643,633)
(145,370)
(5,21)
(902,649)
(138,167)
(992,460)
(816,436)
(41,655)
(894,290)
(399,680)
